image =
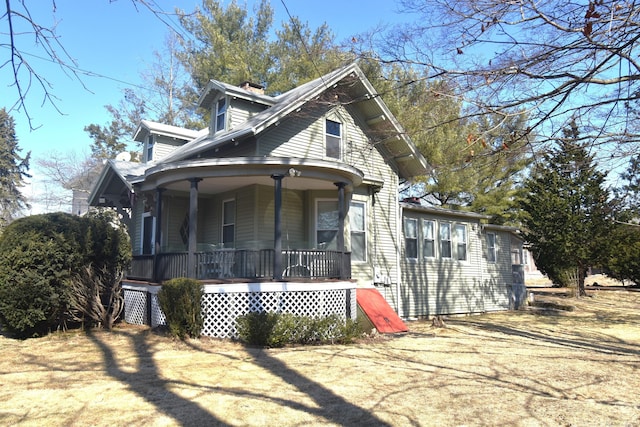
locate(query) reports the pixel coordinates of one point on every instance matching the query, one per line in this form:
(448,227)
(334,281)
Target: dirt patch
(556,367)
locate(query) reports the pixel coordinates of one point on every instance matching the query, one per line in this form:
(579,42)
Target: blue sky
(115,41)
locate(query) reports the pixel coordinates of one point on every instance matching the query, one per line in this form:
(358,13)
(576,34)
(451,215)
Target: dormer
(158,140)
(232,105)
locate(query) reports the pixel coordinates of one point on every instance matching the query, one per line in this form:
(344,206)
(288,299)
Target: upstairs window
(491,247)
(411,238)
(150,141)
(428,235)
(221,114)
(333,141)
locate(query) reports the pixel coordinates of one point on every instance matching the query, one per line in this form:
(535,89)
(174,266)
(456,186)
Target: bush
(279,329)
(41,255)
(181,302)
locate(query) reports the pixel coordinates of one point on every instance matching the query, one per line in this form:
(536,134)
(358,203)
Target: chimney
(412,200)
(252,87)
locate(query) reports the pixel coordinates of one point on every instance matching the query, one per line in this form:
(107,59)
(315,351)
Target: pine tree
(13,171)
(566,213)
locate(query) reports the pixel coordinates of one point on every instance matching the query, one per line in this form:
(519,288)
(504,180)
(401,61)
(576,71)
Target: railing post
(277,228)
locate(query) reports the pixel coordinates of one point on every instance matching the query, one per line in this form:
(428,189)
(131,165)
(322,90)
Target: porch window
(327,222)
(428,234)
(229,223)
(357,224)
(221,114)
(150,143)
(148,234)
(333,142)
(461,242)
(411,238)
(445,240)
(491,247)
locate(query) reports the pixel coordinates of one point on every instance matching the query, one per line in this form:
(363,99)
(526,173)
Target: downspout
(399,214)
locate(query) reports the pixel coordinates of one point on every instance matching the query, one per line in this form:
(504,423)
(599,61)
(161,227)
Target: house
(284,202)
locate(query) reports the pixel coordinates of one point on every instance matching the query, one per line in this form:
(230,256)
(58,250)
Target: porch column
(193,228)
(341,216)
(158,235)
(277,231)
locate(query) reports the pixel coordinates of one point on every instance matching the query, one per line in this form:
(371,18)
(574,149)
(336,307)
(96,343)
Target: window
(428,236)
(333,139)
(445,240)
(491,247)
(411,237)
(221,115)
(461,242)
(150,142)
(357,224)
(148,234)
(327,224)
(229,223)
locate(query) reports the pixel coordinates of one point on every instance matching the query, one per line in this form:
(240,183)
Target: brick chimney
(252,87)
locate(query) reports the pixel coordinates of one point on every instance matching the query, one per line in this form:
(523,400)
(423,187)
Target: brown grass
(536,367)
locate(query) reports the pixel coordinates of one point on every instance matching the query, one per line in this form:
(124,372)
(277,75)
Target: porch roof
(116,181)
(231,173)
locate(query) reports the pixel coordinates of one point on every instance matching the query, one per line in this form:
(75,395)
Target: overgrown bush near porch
(279,329)
(181,302)
(41,256)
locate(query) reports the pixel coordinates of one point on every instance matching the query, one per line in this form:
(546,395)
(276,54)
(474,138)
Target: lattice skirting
(223,304)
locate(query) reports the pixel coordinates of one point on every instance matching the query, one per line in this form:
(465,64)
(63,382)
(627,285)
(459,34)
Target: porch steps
(379,312)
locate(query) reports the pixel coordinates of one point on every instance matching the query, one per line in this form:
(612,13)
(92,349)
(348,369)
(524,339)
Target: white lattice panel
(135,307)
(221,308)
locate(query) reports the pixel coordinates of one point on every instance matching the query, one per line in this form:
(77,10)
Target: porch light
(294,172)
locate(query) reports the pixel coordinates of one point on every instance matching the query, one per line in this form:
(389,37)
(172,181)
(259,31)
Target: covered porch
(239,220)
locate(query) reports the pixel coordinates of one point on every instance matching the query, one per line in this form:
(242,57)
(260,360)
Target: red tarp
(379,312)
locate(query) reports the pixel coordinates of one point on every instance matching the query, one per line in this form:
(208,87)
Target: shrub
(181,302)
(279,329)
(41,255)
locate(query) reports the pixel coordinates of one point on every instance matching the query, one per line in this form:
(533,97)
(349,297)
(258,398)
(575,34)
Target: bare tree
(22,29)
(553,60)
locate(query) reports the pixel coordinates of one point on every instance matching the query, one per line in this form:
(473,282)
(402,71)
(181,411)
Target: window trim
(432,240)
(363,231)
(413,238)
(152,243)
(492,253)
(441,240)
(339,138)
(315,222)
(222,115)
(458,243)
(225,224)
(150,148)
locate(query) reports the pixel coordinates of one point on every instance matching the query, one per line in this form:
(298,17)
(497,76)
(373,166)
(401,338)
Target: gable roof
(147,127)
(393,142)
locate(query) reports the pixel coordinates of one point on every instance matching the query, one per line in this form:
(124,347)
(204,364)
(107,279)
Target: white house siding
(241,110)
(432,286)
(164,145)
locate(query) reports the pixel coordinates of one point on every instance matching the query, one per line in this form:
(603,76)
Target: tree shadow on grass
(332,407)
(147,383)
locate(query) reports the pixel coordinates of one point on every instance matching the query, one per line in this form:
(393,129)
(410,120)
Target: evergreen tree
(13,171)
(566,212)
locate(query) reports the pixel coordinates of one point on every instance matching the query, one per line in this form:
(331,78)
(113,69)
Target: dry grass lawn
(539,367)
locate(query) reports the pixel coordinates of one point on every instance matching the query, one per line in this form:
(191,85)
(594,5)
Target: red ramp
(376,308)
